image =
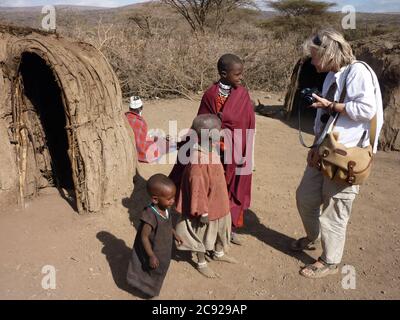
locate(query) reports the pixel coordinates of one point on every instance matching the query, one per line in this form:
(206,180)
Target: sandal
(313,272)
(302,244)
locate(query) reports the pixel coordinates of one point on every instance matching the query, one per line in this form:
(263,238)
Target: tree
(301,16)
(300,7)
(198,13)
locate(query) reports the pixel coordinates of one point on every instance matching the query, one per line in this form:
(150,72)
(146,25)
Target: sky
(360,5)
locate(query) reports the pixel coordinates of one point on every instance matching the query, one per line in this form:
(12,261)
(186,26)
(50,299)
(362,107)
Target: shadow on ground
(278,112)
(137,201)
(274,239)
(118,255)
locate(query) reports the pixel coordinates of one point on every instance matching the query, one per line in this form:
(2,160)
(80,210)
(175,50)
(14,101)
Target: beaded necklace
(159,214)
(224,89)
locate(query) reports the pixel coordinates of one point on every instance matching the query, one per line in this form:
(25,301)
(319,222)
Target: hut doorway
(304,76)
(46,120)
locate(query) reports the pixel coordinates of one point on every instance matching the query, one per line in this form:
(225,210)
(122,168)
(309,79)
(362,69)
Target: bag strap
(341,100)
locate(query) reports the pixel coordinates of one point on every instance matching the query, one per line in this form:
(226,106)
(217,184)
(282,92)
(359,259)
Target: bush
(156,55)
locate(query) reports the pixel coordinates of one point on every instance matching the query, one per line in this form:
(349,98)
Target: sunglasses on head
(317,41)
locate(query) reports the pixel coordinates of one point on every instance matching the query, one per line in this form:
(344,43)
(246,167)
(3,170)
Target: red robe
(146,149)
(237,113)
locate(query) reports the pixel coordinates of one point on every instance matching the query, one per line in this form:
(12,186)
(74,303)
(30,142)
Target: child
(231,102)
(151,254)
(205,224)
(149,149)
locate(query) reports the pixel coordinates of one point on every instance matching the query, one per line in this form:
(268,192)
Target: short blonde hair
(332,49)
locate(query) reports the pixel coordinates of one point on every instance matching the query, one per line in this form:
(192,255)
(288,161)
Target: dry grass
(155,54)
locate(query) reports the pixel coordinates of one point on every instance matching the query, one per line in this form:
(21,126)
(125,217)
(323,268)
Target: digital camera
(306,96)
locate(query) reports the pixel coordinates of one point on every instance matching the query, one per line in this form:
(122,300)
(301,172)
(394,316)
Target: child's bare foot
(235,239)
(207,272)
(225,258)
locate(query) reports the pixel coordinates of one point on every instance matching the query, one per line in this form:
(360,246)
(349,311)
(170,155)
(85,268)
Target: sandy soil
(90,253)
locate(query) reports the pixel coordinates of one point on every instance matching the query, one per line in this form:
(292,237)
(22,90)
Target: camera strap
(328,127)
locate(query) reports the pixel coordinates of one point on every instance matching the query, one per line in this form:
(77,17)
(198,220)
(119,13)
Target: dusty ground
(90,253)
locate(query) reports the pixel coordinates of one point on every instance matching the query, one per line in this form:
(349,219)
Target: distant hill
(32,16)
(39,8)
(20,9)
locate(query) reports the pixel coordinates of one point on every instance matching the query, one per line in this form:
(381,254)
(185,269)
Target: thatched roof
(79,79)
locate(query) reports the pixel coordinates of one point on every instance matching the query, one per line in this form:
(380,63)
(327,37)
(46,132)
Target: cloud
(14,3)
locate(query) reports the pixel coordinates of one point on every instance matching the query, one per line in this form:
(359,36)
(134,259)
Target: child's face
(166,199)
(234,76)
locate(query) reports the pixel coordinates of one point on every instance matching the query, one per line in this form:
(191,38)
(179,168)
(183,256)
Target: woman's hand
(321,102)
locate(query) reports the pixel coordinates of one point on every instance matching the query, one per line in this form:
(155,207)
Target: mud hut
(382,53)
(61,122)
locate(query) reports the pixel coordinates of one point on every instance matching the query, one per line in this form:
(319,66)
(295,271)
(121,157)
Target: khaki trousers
(328,223)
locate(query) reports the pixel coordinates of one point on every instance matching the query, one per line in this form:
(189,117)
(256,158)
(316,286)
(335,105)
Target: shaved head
(158,184)
(226,62)
(206,122)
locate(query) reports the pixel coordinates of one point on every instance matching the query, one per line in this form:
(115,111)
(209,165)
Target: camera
(306,95)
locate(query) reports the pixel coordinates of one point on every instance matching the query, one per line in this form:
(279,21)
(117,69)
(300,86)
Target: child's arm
(199,187)
(204,219)
(176,237)
(153,260)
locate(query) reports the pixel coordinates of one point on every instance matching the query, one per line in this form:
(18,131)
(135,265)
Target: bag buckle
(351,179)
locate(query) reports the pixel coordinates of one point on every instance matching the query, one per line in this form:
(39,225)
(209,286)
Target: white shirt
(363,100)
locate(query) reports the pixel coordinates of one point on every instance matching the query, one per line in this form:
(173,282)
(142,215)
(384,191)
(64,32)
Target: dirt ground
(90,253)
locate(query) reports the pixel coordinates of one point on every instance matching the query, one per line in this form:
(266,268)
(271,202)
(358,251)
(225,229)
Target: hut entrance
(45,117)
(304,76)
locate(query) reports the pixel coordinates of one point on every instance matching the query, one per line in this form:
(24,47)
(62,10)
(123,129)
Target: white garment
(363,100)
